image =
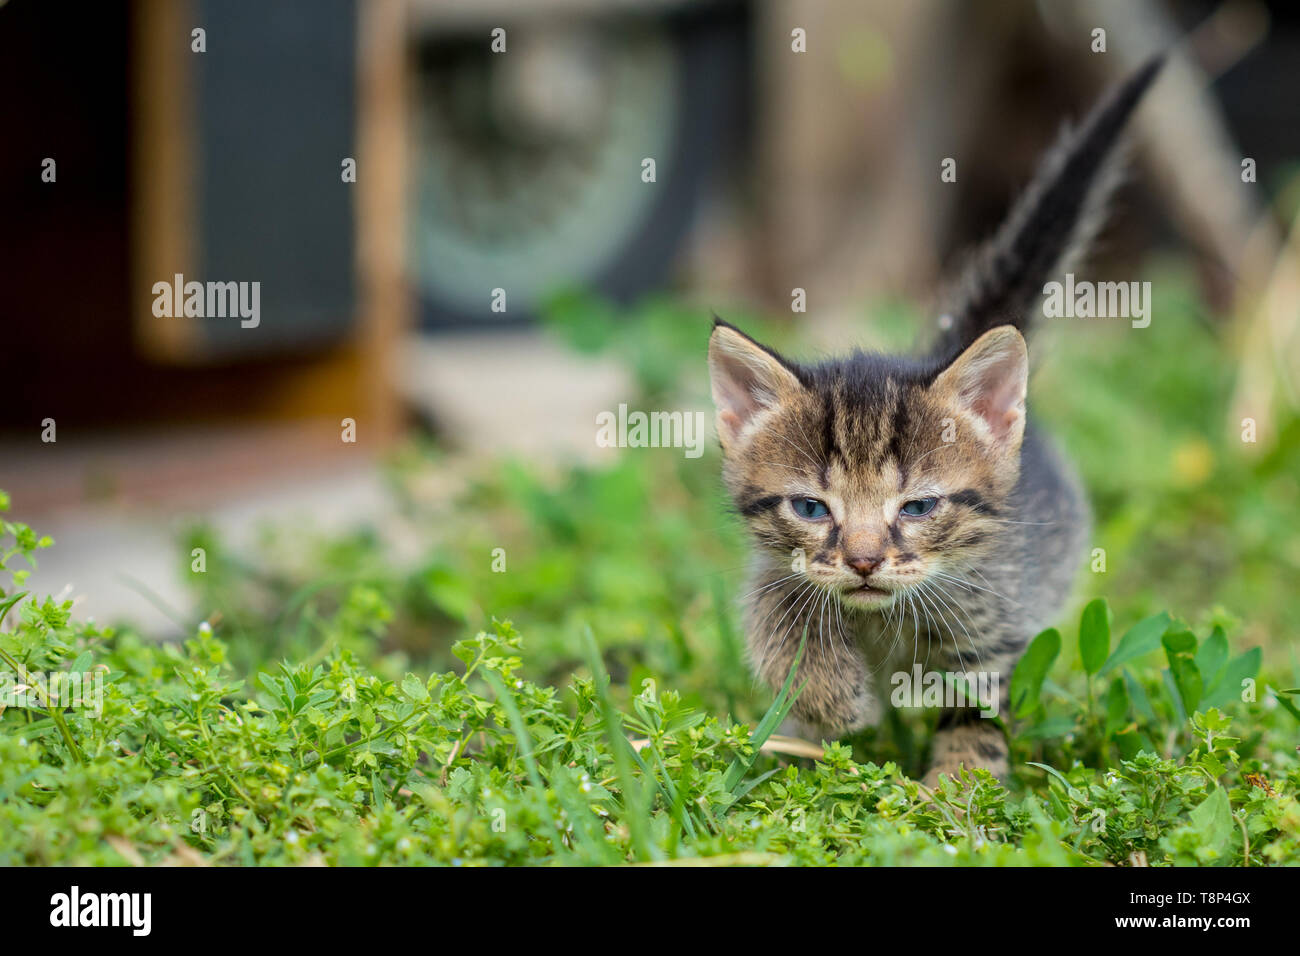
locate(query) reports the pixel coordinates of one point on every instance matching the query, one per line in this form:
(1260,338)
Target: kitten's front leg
(967,737)
(838,698)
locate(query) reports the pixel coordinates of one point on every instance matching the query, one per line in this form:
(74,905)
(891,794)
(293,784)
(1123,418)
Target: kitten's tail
(1050,226)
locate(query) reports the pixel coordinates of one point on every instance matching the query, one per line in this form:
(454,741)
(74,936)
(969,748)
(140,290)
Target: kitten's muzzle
(868,596)
(866,565)
(868,589)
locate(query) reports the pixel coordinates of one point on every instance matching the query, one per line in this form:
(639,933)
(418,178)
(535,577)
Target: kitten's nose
(865,565)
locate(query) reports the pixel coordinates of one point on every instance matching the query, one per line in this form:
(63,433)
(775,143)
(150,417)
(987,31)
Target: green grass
(348,708)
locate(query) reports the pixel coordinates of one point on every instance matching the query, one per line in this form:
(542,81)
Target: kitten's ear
(746,380)
(986,383)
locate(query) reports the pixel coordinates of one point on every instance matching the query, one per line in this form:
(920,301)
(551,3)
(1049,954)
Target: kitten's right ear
(747,379)
(986,384)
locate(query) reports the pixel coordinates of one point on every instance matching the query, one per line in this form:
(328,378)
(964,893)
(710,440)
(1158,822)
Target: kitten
(902,511)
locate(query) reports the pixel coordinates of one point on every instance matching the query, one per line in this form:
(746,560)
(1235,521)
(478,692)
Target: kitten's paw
(832,716)
(972,746)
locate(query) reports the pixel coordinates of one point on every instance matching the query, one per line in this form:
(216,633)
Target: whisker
(920,603)
(940,595)
(932,451)
(847,631)
(926,595)
(771,584)
(793,599)
(968,584)
(821,620)
(797,469)
(916,637)
(810,590)
(810,445)
(801,451)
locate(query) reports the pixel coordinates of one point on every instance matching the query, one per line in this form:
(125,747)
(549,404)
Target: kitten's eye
(919,506)
(809,508)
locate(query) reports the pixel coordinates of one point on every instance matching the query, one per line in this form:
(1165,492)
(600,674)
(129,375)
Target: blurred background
(499,270)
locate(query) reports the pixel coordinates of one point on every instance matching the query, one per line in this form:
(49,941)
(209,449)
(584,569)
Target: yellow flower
(1193,462)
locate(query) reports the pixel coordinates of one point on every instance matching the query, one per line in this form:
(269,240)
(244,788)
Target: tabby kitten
(902,511)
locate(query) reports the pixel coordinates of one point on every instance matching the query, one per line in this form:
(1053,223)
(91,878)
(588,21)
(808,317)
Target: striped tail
(1050,226)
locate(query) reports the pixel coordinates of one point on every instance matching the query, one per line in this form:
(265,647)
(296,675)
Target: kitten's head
(867,475)
(884,472)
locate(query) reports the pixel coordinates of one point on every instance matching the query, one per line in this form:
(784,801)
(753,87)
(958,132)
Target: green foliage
(1186,515)
(1126,710)
(651,340)
(328,761)
(1027,681)
(1094,636)
(333,709)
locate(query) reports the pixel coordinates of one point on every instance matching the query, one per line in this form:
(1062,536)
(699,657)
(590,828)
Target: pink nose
(865,565)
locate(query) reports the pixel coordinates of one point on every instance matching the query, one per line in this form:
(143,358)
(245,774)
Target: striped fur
(964,586)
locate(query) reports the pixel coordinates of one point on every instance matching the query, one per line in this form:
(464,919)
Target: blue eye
(809,508)
(919,507)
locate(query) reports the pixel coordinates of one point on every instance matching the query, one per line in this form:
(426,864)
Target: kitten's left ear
(747,379)
(987,383)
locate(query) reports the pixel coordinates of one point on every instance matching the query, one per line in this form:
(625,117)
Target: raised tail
(1050,226)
